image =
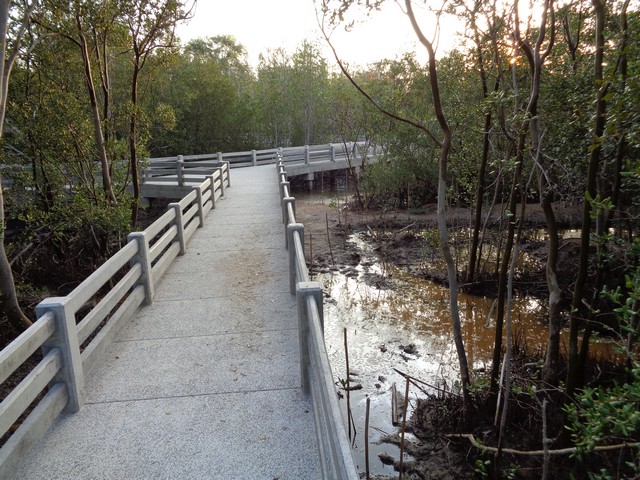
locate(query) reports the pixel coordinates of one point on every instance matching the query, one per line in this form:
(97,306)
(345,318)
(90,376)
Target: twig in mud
(366,439)
(404,426)
(311,255)
(405,228)
(394,405)
(326,218)
(346,229)
(350,420)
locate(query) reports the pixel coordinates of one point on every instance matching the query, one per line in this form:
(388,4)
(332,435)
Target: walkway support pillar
(180,170)
(305,290)
(180,226)
(212,179)
(200,206)
(144,259)
(65,339)
(295,256)
(285,188)
(286,201)
(221,172)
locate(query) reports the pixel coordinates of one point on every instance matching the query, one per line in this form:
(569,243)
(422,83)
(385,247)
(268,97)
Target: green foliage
(604,416)
(611,415)
(482,466)
(292,96)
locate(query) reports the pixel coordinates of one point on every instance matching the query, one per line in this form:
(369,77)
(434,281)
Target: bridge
(202,357)
(174,177)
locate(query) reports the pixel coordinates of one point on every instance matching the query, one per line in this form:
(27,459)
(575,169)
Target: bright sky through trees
(260,25)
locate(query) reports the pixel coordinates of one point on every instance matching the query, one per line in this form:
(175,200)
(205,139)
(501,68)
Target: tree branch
(373,101)
(533,453)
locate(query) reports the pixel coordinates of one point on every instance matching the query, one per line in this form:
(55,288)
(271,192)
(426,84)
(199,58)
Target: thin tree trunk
(550,368)
(574,373)
(445,147)
(622,141)
(133,148)
(504,270)
(95,114)
(480,188)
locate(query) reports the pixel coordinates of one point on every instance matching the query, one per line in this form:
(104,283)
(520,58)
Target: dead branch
(533,453)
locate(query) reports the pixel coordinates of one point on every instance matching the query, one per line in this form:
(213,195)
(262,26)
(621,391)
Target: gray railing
(315,371)
(189,167)
(70,347)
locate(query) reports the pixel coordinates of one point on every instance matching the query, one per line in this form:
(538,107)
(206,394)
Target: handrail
(165,169)
(336,460)
(70,347)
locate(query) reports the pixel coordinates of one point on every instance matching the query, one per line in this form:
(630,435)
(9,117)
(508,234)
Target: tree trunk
(480,188)
(95,114)
(445,147)
(133,144)
(550,368)
(8,297)
(574,373)
(504,271)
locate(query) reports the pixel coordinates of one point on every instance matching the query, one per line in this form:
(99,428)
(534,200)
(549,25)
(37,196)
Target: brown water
(385,309)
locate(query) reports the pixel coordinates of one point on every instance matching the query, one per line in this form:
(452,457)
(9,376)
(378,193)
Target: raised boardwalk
(205,382)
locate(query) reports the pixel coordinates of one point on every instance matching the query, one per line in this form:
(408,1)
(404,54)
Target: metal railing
(70,348)
(315,370)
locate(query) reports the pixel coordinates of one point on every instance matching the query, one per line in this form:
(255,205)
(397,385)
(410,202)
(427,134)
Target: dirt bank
(409,239)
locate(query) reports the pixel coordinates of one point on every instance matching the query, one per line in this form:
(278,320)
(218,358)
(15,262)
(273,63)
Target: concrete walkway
(204,383)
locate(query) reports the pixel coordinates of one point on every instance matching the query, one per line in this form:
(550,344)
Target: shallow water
(403,322)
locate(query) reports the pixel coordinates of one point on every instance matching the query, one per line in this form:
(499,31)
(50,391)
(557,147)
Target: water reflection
(396,320)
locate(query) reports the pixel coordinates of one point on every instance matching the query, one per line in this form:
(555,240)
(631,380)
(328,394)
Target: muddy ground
(399,237)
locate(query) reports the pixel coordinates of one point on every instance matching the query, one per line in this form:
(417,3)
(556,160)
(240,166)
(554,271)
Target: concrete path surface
(204,383)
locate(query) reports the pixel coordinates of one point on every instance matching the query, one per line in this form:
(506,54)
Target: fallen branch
(416,381)
(532,453)
(24,250)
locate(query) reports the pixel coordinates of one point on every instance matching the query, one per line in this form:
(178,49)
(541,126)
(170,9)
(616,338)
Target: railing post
(254,158)
(212,179)
(200,206)
(227,167)
(65,338)
(180,170)
(307,157)
(285,211)
(221,171)
(284,184)
(145,263)
(305,290)
(332,147)
(291,229)
(219,157)
(180,226)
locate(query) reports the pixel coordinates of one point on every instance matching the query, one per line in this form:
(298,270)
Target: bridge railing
(74,331)
(315,370)
(189,167)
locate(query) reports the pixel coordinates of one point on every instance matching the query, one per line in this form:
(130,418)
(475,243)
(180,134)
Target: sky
(261,25)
